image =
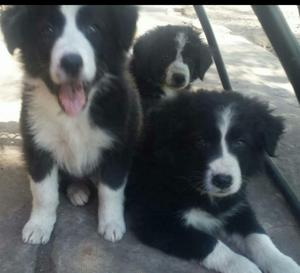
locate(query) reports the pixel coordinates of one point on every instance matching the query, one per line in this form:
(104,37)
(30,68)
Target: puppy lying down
(188,181)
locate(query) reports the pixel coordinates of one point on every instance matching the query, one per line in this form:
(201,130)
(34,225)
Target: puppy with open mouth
(79,116)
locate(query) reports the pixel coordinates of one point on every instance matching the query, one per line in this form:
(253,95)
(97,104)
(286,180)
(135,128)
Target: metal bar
(281,182)
(283,41)
(288,52)
(271,168)
(213,46)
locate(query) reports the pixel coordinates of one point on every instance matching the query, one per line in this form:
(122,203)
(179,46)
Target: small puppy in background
(79,115)
(188,181)
(167,60)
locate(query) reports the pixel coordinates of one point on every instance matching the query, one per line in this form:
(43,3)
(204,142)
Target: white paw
(111,230)
(282,263)
(241,264)
(37,232)
(78,194)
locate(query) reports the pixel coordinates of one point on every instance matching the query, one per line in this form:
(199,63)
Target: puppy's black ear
(125,18)
(204,60)
(140,58)
(271,130)
(11,22)
(137,56)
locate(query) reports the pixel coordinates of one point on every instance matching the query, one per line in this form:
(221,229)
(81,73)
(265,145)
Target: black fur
(154,51)
(180,139)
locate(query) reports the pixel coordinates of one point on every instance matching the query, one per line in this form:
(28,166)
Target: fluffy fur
(166,60)
(74,81)
(188,181)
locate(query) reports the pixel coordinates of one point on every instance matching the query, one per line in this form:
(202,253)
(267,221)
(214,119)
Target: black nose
(222,181)
(71,63)
(178,79)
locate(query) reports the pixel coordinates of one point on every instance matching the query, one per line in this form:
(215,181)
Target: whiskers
(245,179)
(195,181)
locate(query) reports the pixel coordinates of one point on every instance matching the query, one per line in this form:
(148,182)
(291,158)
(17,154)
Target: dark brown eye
(202,143)
(166,57)
(47,30)
(92,29)
(239,143)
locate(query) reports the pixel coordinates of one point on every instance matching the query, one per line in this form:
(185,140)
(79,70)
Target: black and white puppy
(78,113)
(188,181)
(166,60)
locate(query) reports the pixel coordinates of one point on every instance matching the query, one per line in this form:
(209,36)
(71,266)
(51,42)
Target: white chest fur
(74,142)
(204,221)
(201,220)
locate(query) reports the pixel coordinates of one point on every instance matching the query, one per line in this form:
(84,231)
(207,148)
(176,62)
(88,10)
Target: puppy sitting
(166,60)
(188,181)
(74,81)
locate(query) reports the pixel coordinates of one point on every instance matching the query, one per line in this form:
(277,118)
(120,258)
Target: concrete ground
(75,245)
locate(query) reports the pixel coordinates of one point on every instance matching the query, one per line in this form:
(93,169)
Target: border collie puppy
(188,181)
(166,60)
(78,113)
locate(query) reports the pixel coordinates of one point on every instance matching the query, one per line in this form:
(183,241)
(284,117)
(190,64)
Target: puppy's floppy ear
(140,57)
(125,18)
(137,55)
(164,131)
(204,60)
(11,22)
(271,129)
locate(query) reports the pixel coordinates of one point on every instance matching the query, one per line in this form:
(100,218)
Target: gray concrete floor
(75,245)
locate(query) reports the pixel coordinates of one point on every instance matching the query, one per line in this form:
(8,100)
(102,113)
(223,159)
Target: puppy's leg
(263,251)
(258,244)
(111,212)
(223,259)
(43,214)
(189,243)
(113,179)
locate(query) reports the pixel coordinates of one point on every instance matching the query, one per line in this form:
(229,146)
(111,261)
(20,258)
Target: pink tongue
(72,97)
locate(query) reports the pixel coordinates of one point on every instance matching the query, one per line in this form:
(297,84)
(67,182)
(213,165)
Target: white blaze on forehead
(226,163)
(72,41)
(177,66)
(181,40)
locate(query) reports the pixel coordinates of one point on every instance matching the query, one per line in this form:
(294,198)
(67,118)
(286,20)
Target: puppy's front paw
(282,263)
(111,229)
(37,232)
(241,265)
(78,194)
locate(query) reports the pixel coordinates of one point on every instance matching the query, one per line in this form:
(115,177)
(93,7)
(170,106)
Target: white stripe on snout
(72,40)
(226,163)
(177,66)
(181,40)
